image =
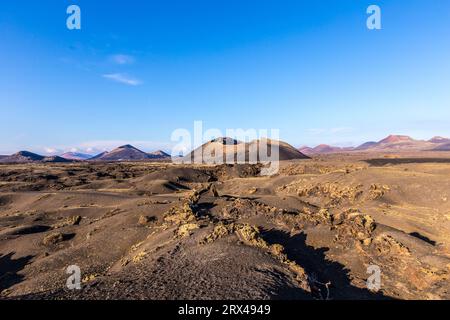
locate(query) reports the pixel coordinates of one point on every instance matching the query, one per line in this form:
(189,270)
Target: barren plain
(164,231)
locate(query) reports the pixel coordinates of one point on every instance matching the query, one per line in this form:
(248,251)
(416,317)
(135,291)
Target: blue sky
(138,70)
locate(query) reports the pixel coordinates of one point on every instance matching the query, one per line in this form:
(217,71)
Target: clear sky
(138,70)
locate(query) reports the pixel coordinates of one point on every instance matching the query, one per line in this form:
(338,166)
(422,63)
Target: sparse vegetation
(315,226)
(139,257)
(186,230)
(377,191)
(53,238)
(71,221)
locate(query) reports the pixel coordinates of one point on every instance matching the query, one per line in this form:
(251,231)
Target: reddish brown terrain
(165,231)
(392,143)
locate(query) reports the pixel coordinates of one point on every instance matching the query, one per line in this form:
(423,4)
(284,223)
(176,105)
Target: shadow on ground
(386,161)
(319,269)
(9,269)
(282,288)
(423,238)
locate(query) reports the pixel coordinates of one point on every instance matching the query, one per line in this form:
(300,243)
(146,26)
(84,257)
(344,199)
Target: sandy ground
(162,231)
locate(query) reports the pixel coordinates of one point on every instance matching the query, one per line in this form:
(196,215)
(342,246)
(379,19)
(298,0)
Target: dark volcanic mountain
(443,147)
(324,149)
(366,146)
(305,150)
(27,157)
(130,153)
(229,149)
(124,153)
(158,155)
(76,156)
(56,159)
(99,156)
(439,140)
(21,157)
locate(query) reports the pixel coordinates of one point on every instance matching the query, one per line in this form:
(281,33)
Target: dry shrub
(186,230)
(90,278)
(385,244)
(185,213)
(240,208)
(139,257)
(71,221)
(53,238)
(180,215)
(221,230)
(353,226)
(333,193)
(251,235)
(377,191)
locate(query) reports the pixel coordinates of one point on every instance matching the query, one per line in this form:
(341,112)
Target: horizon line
(95,151)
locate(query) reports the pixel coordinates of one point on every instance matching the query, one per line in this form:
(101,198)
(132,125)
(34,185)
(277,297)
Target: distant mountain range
(231,147)
(392,143)
(123,153)
(25,156)
(76,156)
(323,148)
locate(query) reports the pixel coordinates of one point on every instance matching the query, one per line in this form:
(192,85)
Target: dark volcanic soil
(162,231)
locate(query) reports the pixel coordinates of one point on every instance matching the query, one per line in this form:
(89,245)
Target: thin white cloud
(122,59)
(96,147)
(122,78)
(108,145)
(51,150)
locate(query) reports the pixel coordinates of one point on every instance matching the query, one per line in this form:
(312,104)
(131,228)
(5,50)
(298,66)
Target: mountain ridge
(232,149)
(130,153)
(76,156)
(392,143)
